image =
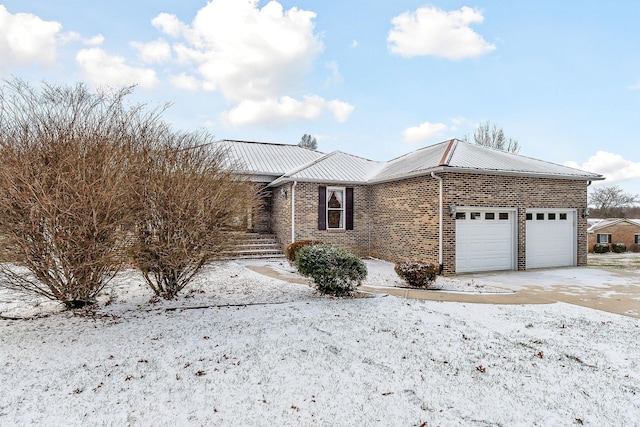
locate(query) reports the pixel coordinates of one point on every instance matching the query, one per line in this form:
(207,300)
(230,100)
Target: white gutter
(293,211)
(433,175)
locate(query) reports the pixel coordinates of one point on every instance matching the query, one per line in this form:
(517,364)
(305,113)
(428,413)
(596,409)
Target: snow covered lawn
(296,358)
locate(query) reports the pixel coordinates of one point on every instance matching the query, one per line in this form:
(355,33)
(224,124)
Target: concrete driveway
(615,291)
(612,291)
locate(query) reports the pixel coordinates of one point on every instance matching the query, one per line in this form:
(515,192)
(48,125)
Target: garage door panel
(551,239)
(484,244)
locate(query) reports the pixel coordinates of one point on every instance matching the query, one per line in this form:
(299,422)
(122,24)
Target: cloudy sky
(374,78)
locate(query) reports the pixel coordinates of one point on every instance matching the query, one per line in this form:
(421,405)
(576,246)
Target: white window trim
(343,209)
(603,234)
(636,238)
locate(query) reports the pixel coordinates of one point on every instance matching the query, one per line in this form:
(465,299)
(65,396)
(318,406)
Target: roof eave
(485,172)
(287,179)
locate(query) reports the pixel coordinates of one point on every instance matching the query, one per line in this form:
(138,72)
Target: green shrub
(618,247)
(635,247)
(600,248)
(334,271)
(417,274)
(292,249)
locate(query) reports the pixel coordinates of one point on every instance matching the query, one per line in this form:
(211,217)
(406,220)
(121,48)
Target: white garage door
(551,238)
(485,240)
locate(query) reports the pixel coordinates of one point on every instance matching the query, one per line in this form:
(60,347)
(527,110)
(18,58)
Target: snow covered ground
(294,358)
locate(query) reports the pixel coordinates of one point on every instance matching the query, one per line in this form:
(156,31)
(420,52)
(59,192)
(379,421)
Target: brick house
(616,230)
(463,207)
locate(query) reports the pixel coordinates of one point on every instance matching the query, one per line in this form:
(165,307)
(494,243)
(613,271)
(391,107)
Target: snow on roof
(603,223)
(291,162)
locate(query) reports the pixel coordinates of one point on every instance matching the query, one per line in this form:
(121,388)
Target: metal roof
(291,162)
(414,163)
(261,158)
(460,156)
(333,167)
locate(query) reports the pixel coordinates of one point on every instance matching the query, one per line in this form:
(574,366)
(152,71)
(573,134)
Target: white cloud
(612,166)
(423,131)
(273,111)
(25,39)
(255,57)
(432,31)
(104,69)
(246,52)
(153,52)
(335,77)
(72,36)
(169,24)
(186,82)
(354,43)
(340,109)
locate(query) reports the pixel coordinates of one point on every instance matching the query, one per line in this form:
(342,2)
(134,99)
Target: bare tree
(308,141)
(610,201)
(65,185)
(188,199)
(490,136)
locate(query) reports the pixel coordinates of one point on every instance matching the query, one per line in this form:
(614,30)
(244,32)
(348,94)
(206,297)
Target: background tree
(308,141)
(611,201)
(491,136)
(65,184)
(187,199)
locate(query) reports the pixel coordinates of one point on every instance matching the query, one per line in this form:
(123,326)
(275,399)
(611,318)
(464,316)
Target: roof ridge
(448,153)
(280,144)
(301,168)
(419,149)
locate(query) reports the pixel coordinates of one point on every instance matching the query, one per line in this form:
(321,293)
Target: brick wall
(622,232)
(281,214)
(404,220)
(306,220)
(398,221)
(514,192)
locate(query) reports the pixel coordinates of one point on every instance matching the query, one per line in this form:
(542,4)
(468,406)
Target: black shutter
(322,208)
(349,209)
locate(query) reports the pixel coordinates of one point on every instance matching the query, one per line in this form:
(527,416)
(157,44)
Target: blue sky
(374,78)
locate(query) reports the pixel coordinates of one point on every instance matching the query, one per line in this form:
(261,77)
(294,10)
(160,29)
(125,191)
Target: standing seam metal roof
(260,158)
(291,162)
(462,156)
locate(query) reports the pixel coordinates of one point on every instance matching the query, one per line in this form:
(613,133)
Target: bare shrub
(187,200)
(417,274)
(291,251)
(65,186)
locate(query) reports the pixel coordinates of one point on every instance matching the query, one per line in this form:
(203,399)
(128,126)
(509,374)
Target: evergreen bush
(334,271)
(618,247)
(600,248)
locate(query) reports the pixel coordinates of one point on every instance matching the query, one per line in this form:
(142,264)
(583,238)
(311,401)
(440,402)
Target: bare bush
(65,186)
(187,200)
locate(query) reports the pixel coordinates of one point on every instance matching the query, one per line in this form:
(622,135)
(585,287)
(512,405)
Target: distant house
(615,230)
(463,207)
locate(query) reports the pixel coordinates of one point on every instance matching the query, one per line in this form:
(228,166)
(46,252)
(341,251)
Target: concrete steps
(255,246)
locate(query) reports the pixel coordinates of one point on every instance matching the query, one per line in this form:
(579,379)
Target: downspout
(293,211)
(440,266)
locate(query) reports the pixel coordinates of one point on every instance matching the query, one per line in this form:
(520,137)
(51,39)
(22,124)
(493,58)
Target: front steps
(255,246)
